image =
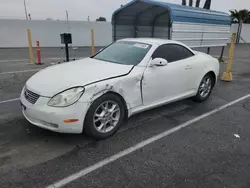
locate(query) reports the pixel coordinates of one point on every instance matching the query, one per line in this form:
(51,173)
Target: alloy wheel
(205,87)
(106,116)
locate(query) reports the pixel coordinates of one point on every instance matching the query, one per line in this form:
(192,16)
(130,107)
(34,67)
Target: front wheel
(104,117)
(205,88)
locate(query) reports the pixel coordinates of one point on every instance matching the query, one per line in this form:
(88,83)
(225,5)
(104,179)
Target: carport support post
(221,59)
(30,47)
(208,50)
(227,75)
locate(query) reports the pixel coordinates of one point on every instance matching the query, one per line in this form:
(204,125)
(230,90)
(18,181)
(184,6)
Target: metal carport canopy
(156,13)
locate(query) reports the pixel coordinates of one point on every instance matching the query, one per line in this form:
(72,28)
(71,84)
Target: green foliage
(207,4)
(190,3)
(101,19)
(197,4)
(240,16)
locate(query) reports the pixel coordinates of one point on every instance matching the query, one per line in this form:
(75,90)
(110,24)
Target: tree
(101,19)
(207,4)
(184,2)
(240,16)
(197,3)
(190,3)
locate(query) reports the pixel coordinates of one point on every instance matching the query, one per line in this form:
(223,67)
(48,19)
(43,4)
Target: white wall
(13,32)
(245,32)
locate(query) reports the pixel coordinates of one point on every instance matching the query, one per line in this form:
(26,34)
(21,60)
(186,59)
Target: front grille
(31,96)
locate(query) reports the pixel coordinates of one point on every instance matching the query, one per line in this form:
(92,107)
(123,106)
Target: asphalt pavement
(212,152)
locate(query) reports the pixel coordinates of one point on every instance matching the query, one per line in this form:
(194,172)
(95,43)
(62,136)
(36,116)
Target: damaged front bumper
(52,118)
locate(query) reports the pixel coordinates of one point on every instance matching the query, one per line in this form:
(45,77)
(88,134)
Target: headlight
(66,98)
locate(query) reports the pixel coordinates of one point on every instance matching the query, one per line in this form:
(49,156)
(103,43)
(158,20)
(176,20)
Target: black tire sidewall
(88,124)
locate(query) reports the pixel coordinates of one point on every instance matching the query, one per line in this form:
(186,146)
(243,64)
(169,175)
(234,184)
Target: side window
(161,52)
(172,52)
(184,52)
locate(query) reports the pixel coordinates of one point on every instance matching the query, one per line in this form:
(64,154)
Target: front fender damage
(129,90)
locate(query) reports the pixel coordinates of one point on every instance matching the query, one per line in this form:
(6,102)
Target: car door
(166,83)
(192,66)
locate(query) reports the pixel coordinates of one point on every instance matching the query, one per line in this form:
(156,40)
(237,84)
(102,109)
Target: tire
(205,88)
(98,116)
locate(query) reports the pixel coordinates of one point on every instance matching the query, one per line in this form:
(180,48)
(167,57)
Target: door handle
(188,67)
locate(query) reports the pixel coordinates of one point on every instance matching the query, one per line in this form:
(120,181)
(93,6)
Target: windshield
(124,52)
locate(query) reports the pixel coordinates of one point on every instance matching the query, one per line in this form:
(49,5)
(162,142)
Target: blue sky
(81,9)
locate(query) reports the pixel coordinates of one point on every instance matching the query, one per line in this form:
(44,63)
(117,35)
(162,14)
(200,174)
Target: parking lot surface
(211,152)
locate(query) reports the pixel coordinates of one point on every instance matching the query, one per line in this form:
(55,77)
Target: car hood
(55,79)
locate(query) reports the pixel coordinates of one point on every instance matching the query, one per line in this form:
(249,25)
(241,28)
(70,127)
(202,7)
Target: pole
(25,9)
(221,55)
(30,47)
(38,53)
(227,75)
(67,16)
(208,50)
(239,32)
(93,41)
(67,52)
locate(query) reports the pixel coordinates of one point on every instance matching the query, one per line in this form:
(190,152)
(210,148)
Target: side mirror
(159,62)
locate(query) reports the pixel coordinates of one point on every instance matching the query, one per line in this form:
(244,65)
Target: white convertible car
(97,94)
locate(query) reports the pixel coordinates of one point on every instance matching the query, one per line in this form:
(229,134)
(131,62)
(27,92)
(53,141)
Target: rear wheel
(205,88)
(104,117)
